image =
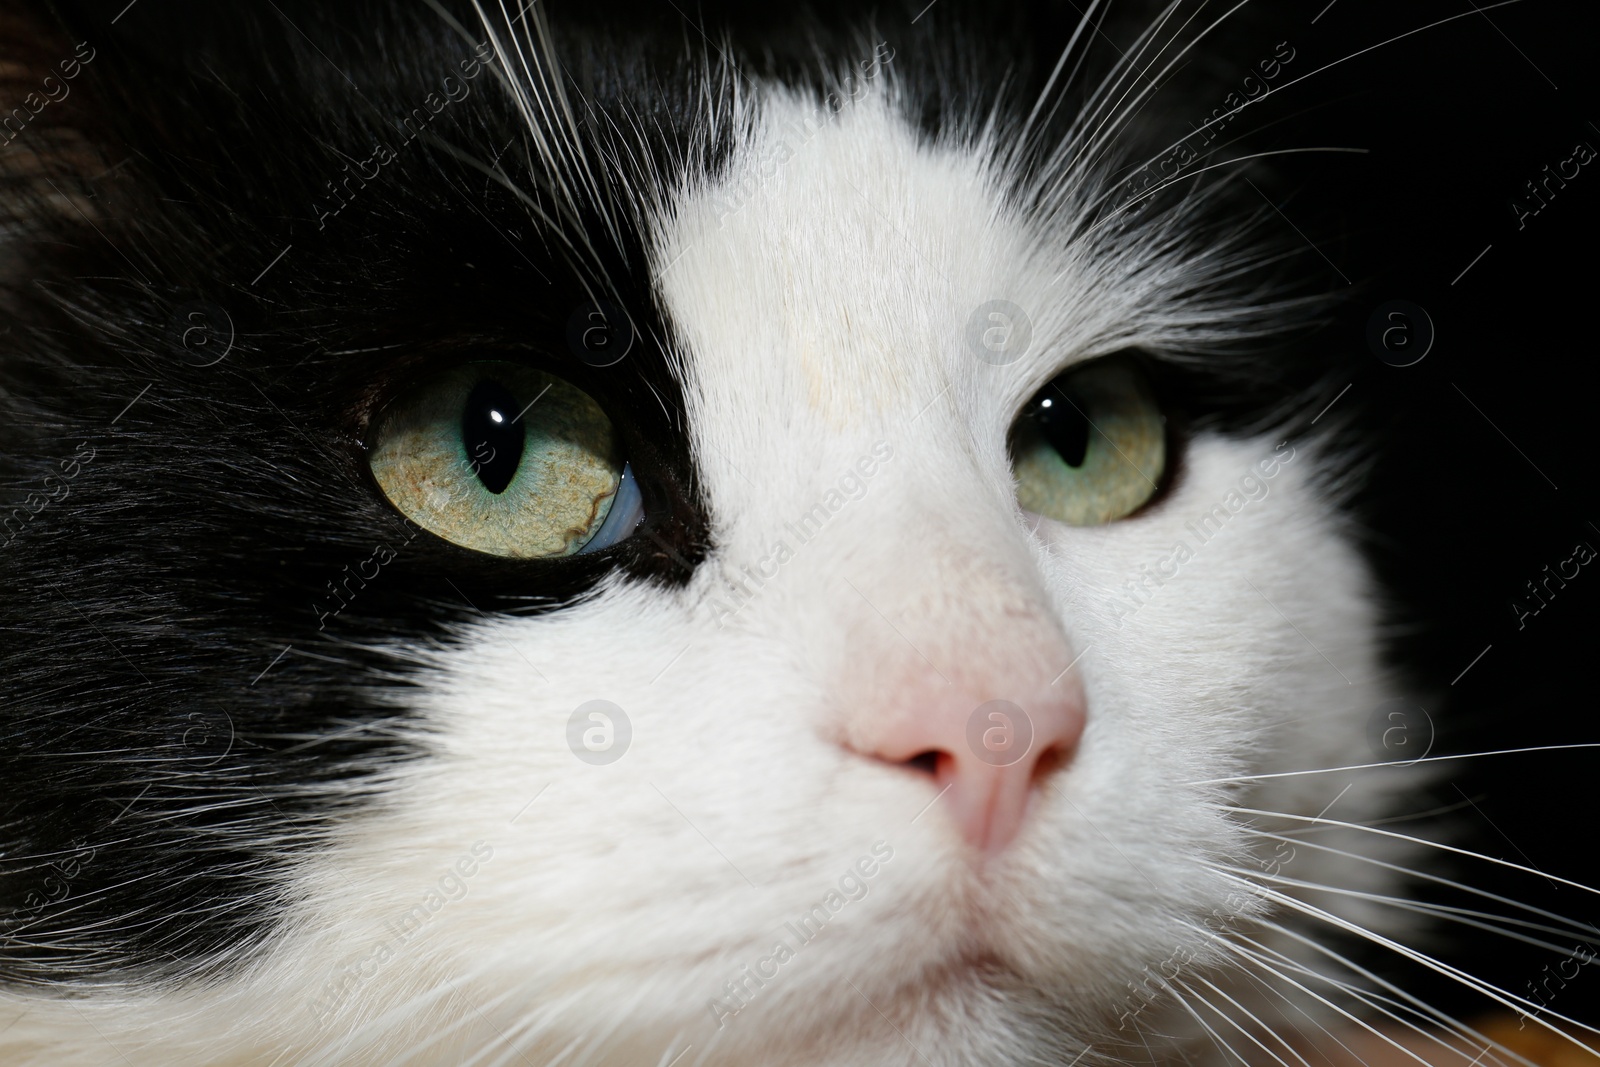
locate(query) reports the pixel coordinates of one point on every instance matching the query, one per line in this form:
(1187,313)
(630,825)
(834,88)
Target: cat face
(873,587)
(780,690)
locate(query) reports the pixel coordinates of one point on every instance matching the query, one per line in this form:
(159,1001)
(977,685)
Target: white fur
(821,315)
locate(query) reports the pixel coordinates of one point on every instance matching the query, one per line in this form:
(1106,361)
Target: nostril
(926,762)
(1050,761)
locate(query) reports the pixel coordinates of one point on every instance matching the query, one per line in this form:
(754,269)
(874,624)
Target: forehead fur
(845,265)
(838,255)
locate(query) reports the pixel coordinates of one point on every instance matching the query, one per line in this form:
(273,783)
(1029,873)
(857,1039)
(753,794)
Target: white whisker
(1364,997)
(1421,1007)
(1280,994)
(1328,66)
(1423,875)
(1488,989)
(1089,146)
(1259,1024)
(1465,916)
(1050,83)
(1195,173)
(1223,1045)
(1412,840)
(1392,765)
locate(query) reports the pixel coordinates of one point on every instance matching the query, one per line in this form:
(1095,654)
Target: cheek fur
(737,784)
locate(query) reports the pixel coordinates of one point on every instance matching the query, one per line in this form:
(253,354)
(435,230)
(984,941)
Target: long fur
(394,857)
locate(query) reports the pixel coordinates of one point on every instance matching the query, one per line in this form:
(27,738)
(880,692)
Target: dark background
(1487,470)
(1486,466)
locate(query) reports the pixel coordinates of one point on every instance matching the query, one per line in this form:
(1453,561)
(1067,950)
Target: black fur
(179,710)
(194,683)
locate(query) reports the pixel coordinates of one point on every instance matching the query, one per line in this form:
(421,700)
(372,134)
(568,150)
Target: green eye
(507,460)
(1090,448)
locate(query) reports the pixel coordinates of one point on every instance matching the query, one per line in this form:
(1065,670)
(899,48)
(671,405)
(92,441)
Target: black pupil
(491,428)
(1062,423)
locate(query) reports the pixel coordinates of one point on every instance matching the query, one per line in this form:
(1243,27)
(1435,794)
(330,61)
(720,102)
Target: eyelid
(389,372)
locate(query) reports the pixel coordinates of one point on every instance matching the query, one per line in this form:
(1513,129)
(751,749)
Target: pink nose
(987,756)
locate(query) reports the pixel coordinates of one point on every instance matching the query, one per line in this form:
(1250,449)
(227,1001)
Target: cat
(597,534)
